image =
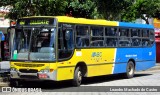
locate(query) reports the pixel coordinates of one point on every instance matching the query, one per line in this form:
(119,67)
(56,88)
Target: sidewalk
(157,67)
(4,66)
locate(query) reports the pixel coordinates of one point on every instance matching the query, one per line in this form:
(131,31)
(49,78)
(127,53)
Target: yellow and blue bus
(60,48)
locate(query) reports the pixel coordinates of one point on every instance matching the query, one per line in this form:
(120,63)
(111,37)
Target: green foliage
(112,9)
(51,7)
(82,8)
(76,8)
(6,2)
(120,10)
(142,9)
(23,8)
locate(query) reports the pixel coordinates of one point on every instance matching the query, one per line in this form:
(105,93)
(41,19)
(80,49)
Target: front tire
(77,77)
(15,83)
(130,69)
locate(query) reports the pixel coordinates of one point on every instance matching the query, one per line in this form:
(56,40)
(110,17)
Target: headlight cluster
(44,71)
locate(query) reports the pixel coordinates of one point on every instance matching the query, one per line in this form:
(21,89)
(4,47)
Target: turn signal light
(51,70)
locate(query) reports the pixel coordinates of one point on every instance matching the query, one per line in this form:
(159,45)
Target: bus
(58,48)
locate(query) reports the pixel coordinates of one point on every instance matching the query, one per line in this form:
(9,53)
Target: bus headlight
(44,71)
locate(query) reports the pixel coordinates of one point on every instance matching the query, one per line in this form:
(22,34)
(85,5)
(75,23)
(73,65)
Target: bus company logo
(6,89)
(28,69)
(10,89)
(96,54)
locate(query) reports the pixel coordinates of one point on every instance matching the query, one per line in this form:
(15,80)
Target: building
(156,23)
(4,24)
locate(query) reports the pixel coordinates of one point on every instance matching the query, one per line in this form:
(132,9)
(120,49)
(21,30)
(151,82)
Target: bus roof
(134,25)
(86,21)
(66,19)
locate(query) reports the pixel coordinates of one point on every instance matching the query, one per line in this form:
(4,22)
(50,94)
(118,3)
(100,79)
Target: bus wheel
(130,70)
(77,77)
(13,83)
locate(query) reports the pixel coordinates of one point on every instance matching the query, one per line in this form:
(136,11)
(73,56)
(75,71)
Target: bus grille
(28,71)
(28,65)
(28,77)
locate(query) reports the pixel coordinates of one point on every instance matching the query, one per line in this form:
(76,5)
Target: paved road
(144,78)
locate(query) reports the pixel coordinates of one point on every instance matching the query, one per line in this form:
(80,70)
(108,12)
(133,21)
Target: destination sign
(35,21)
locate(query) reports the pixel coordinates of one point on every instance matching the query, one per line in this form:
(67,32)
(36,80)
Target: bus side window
(82,42)
(152,36)
(111,42)
(145,38)
(79,41)
(136,42)
(145,42)
(97,36)
(111,36)
(69,38)
(136,37)
(82,36)
(145,33)
(124,37)
(135,33)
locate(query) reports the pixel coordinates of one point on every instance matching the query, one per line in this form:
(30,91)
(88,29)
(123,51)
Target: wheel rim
(79,76)
(130,69)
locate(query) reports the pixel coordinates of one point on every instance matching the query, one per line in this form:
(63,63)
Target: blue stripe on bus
(144,57)
(124,24)
(144,65)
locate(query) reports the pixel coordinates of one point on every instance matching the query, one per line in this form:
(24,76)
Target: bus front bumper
(34,76)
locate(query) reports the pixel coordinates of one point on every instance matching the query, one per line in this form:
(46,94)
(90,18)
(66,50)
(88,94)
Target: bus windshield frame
(35,42)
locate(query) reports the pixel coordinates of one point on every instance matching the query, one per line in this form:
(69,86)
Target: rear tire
(77,77)
(130,69)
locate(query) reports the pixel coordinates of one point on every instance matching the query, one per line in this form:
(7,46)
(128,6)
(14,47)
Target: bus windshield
(35,44)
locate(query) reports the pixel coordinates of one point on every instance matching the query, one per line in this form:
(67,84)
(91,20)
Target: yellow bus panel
(99,62)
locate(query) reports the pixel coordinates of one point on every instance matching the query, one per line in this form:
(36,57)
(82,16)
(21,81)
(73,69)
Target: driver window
(65,41)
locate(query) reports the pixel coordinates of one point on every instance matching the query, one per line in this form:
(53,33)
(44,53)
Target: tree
(82,8)
(6,2)
(129,10)
(119,10)
(23,8)
(75,8)
(112,9)
(144,9)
